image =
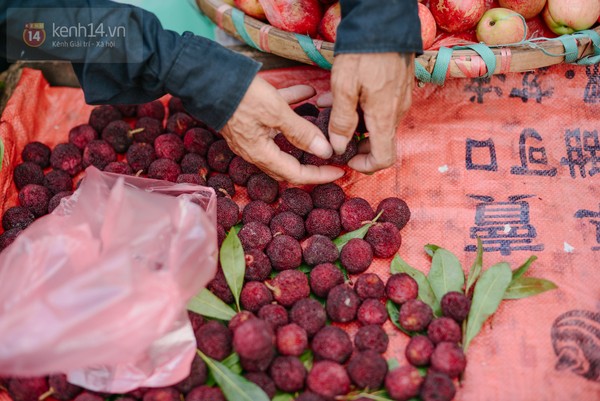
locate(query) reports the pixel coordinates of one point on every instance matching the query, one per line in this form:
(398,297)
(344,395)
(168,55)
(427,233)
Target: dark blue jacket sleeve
(210,79)
(371,26)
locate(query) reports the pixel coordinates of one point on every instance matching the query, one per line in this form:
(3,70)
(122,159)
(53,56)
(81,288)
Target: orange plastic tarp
(514,159)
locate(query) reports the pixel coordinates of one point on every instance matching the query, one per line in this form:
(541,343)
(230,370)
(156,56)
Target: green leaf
(394,313)
(233,264)
(393,363)
(475,271)
(232,362)
(524,287)
(234,386)
(358,233)
(430,249)
(283,397)
(338,264)
(307,359)
(488,293)
(380,395)
(425,292)
(304,268)
(377,396)
(446,274)
(523,268)
(208,304)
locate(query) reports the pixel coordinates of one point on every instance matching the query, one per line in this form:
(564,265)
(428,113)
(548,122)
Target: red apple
(329,23)
(491,4)
(445,39)
(428,27)
(457,15)
(501,26)
(527,8)
(568,16)
(252,8)
(298,16)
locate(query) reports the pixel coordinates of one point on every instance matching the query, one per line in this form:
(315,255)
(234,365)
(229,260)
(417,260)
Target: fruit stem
(132,132)
(46,394)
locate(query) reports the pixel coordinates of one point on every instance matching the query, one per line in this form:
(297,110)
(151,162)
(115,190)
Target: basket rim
(464,63)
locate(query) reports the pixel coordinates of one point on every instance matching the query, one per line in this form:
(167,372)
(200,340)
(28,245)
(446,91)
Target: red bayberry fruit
(332,343)
(415,315)
(455,305)
(342,304)
(309,314)
(448,358)
(401,287)
(418,351)
(328,379)
(369,285)
(403,383)
(324,277)
(371,337)
(253,339)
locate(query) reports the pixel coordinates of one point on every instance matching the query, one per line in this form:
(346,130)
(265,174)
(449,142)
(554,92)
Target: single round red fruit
(296,16)
(457,15)
(330,21)
(428,26)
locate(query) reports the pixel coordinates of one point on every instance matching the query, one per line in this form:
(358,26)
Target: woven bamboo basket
(432,66)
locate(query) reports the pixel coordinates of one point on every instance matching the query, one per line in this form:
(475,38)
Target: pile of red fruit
(282,229)
(302,285)
(135,140)
(443,22)
(290,253)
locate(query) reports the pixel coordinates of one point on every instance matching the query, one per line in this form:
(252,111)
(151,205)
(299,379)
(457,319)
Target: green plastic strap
(487,55)
(421,73)
(571,50)
(311,51)
(238,22)
(1,153)
(591,59)
(442,62)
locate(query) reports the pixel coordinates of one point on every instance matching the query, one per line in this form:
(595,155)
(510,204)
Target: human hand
(381,83)
(262,114)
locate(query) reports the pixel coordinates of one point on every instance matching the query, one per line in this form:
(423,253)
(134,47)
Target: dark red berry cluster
(435,344)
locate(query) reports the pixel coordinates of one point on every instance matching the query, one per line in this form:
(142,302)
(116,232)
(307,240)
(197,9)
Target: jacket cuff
(376,27)
(210,79)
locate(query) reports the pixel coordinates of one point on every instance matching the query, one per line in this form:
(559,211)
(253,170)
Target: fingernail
(320,147)
(338,143)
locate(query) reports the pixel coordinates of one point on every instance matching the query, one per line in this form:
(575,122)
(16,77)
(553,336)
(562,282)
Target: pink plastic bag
(99,288)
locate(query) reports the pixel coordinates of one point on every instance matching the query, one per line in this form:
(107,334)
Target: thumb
(304,135)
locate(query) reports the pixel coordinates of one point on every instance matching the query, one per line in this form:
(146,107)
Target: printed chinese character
(481,87)
(592,89)
(503,226)
(581,151)
(531,89)
(533,158)
(594,219)
(491,161)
